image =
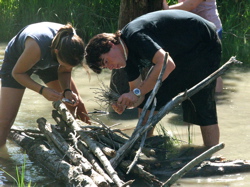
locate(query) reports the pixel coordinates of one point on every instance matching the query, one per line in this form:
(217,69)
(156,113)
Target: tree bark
(192,164)
(91,144)
(131,9)
(49,161)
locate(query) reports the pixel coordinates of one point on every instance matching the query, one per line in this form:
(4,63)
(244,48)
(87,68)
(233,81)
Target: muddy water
(233,112)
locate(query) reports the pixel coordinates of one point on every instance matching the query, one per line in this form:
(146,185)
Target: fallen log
(51,133)
(93,161)
(192,164)
(210,168)
(91,144)
(81,151)
(63,170)
(51,163)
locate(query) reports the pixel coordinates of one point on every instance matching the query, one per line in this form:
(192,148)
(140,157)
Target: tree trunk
(131,9)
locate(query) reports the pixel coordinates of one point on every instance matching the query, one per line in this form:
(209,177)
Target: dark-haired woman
(49,50)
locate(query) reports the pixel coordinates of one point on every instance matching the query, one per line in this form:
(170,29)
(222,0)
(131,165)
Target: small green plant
(172,141)
(20,180)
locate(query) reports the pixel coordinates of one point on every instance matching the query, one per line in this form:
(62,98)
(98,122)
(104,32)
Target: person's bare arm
(30,56)
(64,76)
(148,84)
(130,99)
(66,82)
(26,61)
(187,5)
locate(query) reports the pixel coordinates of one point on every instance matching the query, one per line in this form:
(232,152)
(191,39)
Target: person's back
(184,35)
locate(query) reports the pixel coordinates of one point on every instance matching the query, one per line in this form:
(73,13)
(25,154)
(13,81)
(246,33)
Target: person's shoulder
(41,25)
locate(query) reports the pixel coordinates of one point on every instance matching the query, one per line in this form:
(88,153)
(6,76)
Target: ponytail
(69,45)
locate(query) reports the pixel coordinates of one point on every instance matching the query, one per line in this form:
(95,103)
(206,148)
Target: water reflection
(233,112)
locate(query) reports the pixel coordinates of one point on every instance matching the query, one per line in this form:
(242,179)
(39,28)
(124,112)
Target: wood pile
(78,154)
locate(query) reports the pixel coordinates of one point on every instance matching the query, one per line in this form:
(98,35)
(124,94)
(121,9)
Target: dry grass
(105,96)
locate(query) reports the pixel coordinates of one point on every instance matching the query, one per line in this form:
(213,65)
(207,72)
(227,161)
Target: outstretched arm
(187,5)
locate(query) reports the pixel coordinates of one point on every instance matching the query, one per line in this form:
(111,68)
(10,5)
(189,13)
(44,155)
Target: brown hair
(69,45)
(97,46)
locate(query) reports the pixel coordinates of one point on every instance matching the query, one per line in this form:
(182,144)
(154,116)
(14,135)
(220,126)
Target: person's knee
(219,85)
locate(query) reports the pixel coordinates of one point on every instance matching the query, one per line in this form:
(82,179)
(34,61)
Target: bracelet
(66,91)
(41,90)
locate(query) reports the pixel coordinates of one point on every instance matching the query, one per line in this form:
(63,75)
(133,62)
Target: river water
(233,113)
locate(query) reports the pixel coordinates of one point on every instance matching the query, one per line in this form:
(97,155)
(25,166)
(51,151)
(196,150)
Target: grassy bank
(96,16)
(89,17)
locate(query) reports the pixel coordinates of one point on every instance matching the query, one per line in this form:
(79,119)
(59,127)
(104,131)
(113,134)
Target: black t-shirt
(183,34)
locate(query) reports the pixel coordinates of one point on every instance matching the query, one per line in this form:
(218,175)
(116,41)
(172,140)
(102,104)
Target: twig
(153,93)
(105,95)
(142,141)
(192,164)
(126,147)
(187,94)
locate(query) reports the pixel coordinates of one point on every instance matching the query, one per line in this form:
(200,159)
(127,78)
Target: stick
(152,95)
(62,145)
(72,123)
(142,141)
(126,147)
(166,109)
(192,164)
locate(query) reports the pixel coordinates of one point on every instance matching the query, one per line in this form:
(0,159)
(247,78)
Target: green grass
(97,16)
(89,17)
(20,179)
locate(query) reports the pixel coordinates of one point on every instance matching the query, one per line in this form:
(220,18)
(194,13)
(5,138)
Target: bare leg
(219,85)
(10,100)
(210,135)
(145,119)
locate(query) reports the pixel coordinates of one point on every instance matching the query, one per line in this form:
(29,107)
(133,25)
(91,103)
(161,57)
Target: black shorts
(199,109)
(46,75)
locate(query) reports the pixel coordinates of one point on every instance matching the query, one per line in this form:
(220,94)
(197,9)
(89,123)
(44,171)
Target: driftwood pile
(79,154)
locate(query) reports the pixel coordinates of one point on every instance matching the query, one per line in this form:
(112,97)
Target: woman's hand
(71,98)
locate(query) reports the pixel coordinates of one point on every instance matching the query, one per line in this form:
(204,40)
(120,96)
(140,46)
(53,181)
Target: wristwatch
(137,92)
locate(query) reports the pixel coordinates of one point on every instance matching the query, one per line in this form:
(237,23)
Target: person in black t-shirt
(194,53)
(49,50)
